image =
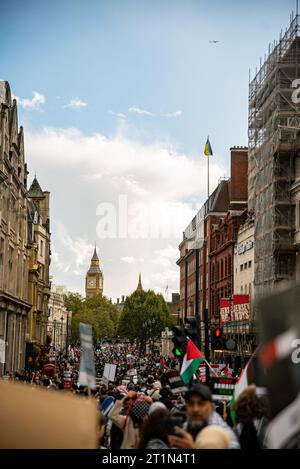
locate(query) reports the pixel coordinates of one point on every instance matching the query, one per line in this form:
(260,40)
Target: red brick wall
(239,174)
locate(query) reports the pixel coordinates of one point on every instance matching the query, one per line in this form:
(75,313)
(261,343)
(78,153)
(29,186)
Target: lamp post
(62,329)
(54,323)
(67,336)
(37,329)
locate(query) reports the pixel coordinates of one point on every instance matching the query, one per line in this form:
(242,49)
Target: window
(10,261)
(242,290)
(229,265)
(245,289)
(242,267)
(245,265)
(42,248)
(249,264)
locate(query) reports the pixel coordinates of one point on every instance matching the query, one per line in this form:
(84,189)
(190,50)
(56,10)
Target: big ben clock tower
(94,278)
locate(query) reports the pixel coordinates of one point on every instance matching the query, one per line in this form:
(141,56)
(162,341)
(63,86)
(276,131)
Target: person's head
(199,405)
(213,437)
(139,411)
(157,406)
(248,405)
(156,426)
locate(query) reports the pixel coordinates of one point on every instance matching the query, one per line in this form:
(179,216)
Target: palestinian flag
(225,373)
(278,348)
(191,361)
(253,373)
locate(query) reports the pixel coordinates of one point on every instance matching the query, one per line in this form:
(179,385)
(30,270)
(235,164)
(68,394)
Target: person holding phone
(200,411)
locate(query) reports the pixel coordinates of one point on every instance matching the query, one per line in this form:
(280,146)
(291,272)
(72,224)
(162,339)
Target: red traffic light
(217,332)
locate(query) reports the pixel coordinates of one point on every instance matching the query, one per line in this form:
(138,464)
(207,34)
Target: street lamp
(67,336)
(61,335)
(37,329)
(54,322)
(191,307)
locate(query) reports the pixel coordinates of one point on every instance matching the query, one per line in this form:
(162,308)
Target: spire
(95,255)
(35,189)
(140,287)
(94,267)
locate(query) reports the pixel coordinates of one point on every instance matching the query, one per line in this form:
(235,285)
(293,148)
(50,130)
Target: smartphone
(175,421)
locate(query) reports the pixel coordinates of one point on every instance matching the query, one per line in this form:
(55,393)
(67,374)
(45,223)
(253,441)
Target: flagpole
(211,368)
(208,180)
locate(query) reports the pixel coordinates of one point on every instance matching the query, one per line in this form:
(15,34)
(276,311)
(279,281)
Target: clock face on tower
(91,283)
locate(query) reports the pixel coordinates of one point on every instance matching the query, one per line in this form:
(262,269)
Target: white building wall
(244,260)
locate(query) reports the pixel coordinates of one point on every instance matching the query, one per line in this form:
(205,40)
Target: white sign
(2,351)
(87,364)
(246,246)
(109,372)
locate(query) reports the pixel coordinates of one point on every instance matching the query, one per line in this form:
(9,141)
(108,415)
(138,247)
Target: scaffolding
(273,133)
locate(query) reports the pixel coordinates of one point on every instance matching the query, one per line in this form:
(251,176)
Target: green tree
(97,311)
(144,316)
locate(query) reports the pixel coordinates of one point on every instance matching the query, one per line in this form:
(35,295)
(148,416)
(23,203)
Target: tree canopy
(144,316)
(97,311)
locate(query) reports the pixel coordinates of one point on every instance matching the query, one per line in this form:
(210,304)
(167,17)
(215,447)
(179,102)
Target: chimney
(238,176)
(123,300)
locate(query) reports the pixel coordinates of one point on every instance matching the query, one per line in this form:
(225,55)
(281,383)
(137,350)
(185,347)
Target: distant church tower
(94,278)
(140,286)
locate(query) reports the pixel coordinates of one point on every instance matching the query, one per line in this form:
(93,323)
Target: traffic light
(179,341)
(191,329)
(217,339)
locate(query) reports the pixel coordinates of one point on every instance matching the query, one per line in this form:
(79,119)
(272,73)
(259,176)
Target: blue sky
(126,57)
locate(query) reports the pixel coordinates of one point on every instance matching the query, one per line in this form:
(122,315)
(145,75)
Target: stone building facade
(14,254)
(39,264)
(59,321)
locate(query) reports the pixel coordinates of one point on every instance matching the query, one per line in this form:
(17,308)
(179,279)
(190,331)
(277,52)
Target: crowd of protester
(141,410)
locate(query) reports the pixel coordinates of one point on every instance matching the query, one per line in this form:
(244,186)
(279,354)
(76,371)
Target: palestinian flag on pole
(191,361)
(253,373)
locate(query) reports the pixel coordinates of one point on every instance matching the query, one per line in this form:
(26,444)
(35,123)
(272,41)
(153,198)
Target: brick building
(227,202)
(223,237)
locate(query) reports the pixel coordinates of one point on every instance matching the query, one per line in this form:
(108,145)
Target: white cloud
(82,171)
(166,257)
(162,261)
(32,104)
(154,171)
(77,252)
(75,103)
(131,260)
(166,277)
(173,114)
(57,261)
(170,252)
(117,114)
(138,110)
